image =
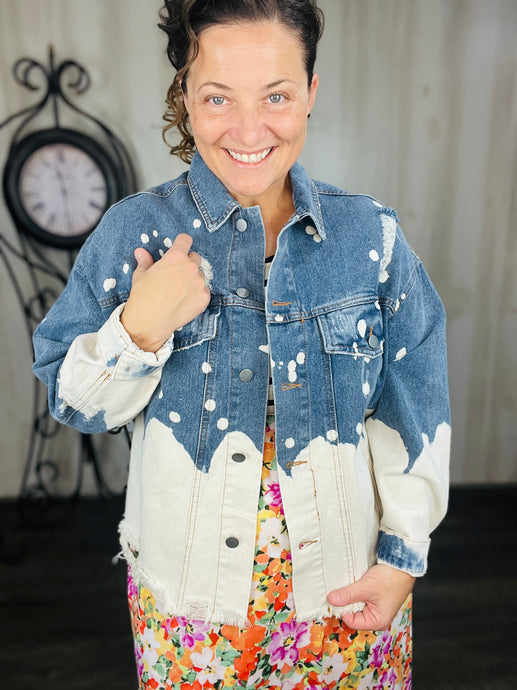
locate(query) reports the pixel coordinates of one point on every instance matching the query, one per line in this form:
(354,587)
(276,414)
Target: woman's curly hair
(184,20)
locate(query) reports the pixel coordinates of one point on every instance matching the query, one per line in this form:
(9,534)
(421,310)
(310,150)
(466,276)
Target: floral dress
(276,651)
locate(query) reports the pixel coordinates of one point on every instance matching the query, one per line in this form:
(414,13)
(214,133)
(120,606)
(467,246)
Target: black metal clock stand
(45,271)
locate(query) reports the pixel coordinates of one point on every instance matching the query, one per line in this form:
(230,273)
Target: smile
(251,157)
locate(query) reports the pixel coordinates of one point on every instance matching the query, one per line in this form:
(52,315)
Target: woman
(166,321)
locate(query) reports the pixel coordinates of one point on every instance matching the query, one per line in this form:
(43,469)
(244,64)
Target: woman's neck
(275,216)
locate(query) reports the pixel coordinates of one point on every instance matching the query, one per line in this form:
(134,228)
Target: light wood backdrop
(417,106)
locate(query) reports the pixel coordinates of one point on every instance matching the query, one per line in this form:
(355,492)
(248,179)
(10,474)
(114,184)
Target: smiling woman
(285,470)
(251,129)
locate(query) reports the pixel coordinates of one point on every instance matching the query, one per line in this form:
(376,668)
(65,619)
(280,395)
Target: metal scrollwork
(44,275)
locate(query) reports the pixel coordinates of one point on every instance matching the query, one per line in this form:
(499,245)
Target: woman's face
(248,101)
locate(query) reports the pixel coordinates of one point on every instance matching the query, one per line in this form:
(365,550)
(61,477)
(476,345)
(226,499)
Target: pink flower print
(190,631)
(132,589)
(272,494)
(387,681)
(379,650)
(285,643)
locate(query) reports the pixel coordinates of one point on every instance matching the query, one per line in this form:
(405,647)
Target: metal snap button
(232,542)
(373,341)
(238,457)
(246,375)
(242,292)
(241,225)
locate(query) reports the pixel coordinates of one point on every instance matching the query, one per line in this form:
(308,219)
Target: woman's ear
(312,92)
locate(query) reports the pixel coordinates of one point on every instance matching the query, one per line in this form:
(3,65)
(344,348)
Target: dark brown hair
(184,20)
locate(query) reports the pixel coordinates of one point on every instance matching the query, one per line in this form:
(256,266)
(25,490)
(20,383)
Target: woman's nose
(249,128)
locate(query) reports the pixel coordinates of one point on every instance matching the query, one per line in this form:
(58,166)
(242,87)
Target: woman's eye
(276,98)
(217,100)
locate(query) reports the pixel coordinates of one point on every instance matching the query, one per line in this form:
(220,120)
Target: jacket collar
(216,204)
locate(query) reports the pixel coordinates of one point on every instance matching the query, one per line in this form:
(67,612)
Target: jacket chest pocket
(203,327)
(354,330)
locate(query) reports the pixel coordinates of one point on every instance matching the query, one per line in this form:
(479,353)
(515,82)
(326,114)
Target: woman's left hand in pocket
(383,589)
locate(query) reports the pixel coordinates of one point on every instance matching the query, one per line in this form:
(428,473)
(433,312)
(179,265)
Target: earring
(308,116)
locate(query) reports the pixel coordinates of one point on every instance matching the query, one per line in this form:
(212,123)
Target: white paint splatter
(279,317)
(289,442)
(300,358)
(155,233)
(316,238)
(210,405)
(222,423)
(374,256)
(378,305)
(389,231)
(310,230)
(403,296)
(264,348)
(109,284)
(161,252)
(359,428)
(174,417)
(206,270)
(144,238)
(167,242)
(160,395)
(332,435)
(125,268)
(361,327)
(206,368)
(197,223)
(292,371)
(366,388)
(400,354)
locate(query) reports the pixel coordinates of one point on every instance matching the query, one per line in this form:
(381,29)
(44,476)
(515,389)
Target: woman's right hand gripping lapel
(165,294)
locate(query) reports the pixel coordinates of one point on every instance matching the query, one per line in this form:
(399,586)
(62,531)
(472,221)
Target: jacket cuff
(120,352)
(403,554)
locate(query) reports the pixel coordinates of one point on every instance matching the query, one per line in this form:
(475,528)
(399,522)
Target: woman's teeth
(251,158)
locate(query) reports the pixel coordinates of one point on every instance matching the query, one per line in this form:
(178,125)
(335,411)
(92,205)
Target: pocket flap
(353,330)
(202,328)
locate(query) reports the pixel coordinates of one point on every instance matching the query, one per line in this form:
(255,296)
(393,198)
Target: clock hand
(65,196)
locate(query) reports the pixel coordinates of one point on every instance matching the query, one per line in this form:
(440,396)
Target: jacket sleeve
(409,428)
(97,378)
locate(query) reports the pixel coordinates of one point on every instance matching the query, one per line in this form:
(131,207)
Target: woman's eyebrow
(276,83)
(225,87)
(216,85)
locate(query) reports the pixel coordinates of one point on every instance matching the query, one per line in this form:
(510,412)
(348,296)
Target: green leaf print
(228,656)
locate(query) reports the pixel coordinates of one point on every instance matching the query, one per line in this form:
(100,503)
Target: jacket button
(242,292)
(238,457)
(246,375)
(241,225)
(232,542)
(373,341)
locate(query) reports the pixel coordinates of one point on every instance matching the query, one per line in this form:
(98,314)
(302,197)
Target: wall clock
(58,183)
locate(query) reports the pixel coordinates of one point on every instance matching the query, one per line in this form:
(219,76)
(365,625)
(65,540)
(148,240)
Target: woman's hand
(165,295)
(383,589)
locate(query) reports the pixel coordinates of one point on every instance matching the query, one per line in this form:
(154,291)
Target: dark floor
(64,624)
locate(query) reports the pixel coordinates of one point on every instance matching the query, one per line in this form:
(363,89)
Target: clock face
(63,189)
(58,183)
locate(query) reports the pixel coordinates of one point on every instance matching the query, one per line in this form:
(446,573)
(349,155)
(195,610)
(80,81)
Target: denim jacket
(354,332)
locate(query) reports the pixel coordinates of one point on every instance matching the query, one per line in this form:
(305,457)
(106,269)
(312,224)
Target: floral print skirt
(276,651)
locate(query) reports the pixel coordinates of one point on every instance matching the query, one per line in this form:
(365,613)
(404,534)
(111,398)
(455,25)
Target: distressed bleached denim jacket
(355,334)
